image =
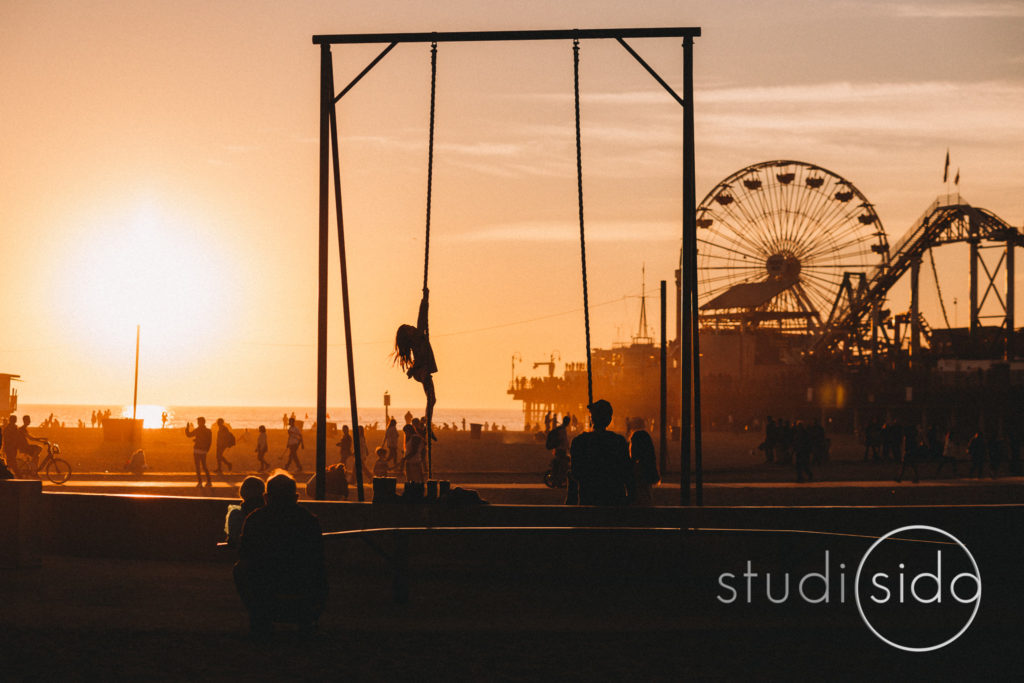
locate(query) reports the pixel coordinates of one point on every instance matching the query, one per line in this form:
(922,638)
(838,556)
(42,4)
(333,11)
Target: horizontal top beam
(483,36)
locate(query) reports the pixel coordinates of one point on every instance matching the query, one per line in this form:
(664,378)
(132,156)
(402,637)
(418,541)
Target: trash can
(475,429)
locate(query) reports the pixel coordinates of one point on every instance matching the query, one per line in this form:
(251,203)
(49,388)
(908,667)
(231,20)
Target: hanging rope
(430,158)
(579,188)
(426,239)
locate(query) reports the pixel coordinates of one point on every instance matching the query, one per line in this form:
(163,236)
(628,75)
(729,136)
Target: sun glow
(152,267)
(151,415)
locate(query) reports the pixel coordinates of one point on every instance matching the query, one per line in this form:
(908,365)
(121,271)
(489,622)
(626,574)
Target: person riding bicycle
(31,450)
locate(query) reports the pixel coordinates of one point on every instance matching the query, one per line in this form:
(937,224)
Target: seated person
(380,468)
(280,573)
(336,487)
(251,491)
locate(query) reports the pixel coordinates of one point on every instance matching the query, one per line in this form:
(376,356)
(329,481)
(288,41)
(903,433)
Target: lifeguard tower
(9,404)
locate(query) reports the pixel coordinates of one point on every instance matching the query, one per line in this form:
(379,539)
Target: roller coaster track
(948,219)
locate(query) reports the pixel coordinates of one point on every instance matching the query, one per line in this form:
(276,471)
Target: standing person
(262,448)
(391,442)
(294,443)
(645,467)
(600,465)
(802,447)
(202,439)
(345,445)
(913,453)
(414,354)
(413,460)
(225,440)
(558,442)
(872,440)
(978,453)
(11,443)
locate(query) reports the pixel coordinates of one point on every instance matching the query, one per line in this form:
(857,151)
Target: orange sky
(159,168)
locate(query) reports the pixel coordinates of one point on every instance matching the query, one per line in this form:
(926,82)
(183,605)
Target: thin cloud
(962,10)
(568,231)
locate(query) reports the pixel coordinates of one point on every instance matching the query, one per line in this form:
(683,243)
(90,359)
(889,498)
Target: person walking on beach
(294,443)
(202,439)
(391,442)
(600,466)
(225,440)
(344,445)
(414,354)
(262,448)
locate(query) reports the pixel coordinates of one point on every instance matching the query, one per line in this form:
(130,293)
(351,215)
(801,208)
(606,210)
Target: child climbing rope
(414,355)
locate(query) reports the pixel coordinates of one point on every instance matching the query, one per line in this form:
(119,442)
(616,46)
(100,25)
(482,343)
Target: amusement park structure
(796,315)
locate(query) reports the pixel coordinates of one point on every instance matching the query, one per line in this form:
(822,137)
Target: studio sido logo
(920,593)
(917,588)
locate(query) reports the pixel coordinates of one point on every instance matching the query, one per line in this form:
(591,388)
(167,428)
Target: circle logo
(888,586)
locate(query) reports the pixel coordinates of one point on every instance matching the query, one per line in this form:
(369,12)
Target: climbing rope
(430,158)
(579,188)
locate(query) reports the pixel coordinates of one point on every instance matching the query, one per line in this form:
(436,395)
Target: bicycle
(57,469)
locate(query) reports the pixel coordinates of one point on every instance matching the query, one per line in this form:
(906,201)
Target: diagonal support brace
(651,71)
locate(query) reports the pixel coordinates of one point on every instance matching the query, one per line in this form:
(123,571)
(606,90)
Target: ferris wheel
(776,238)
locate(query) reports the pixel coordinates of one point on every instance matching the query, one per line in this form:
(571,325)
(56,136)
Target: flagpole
(135,395)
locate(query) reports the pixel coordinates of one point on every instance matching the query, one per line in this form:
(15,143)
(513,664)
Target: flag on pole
(945,171)
(956,181)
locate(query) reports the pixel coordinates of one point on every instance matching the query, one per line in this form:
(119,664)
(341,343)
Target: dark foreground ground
(583,606)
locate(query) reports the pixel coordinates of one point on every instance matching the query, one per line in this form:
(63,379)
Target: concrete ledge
(20,515)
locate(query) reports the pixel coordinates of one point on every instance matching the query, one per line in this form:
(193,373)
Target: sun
(150,267)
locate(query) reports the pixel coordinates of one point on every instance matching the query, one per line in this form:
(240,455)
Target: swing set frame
(329,157)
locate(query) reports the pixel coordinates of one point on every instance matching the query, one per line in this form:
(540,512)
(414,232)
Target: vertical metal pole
(357,438)
(663,405)
(326,104)
(1010,300)
(690,236)
(915,315)
(974,290)
(135,394)
(685,351)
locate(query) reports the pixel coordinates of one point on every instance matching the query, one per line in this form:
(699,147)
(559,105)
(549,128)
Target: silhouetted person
(225,440)
(202,440)
(913,453)
(819,442)
(414,355)
(558,442)
(600,465)
(280,573)
(802,448)
(11,443)
(950,453)
(977,452)
(391,442)
(380,468)
(413,460)
(294,443)
(261,449)
(892,438)
(251,492)
(344,444)
(645,467)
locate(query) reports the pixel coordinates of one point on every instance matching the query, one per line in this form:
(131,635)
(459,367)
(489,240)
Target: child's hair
(263,428)
(405,337)
(381,452)
(251,488)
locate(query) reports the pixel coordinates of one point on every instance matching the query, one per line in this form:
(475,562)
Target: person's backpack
(230,440)
(552,440)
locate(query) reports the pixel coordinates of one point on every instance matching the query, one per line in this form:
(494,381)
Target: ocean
(251,417)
